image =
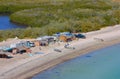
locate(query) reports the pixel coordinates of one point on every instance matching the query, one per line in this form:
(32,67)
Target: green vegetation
(50,16)
(21,33)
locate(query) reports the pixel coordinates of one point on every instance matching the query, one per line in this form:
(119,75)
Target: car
(80,36)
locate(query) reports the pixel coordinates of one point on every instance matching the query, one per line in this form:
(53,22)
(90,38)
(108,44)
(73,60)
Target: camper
(45,40)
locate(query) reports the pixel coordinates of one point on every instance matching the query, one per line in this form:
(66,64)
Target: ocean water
(100,64)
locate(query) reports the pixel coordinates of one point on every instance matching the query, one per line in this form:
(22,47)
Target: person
(14,51)
(29,51)
(39,47)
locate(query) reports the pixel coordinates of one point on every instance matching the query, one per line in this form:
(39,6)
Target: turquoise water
(100,64)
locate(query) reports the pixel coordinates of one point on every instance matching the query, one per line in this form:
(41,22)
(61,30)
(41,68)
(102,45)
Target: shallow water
(100,64)
(5,23)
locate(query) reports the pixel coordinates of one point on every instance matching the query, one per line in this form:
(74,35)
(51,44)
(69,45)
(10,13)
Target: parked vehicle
(80,36)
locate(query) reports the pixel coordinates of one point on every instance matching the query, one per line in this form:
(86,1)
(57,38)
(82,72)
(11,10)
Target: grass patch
(50,16)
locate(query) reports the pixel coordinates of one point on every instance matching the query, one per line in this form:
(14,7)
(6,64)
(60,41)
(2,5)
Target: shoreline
(27,68)
(73,55)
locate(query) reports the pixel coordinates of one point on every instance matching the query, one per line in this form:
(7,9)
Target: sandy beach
(23,66)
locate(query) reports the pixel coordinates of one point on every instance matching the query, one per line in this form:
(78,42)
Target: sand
(23,66)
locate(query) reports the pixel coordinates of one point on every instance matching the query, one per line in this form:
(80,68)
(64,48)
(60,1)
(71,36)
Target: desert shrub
(45,17)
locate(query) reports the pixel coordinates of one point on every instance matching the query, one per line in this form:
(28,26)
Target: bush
(49,16)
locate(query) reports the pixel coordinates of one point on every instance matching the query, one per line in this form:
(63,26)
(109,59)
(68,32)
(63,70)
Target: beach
(25,66)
